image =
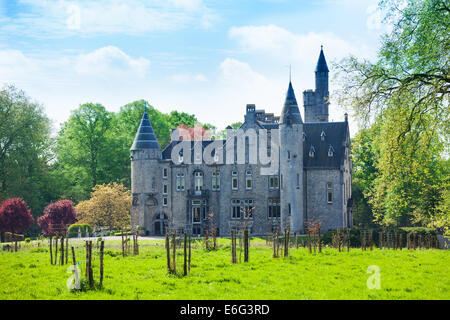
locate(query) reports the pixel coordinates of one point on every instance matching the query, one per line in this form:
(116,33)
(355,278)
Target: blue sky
(209,58)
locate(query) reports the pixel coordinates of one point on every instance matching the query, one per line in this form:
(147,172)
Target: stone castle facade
(312,181)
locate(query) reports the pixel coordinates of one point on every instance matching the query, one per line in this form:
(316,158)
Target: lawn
(406,274)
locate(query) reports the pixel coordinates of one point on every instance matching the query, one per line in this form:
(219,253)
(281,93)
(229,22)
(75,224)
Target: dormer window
(312,151)
(330,151)
(322,136)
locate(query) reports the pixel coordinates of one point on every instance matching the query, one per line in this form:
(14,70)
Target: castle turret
(316,102)
(291,164)
(145,173)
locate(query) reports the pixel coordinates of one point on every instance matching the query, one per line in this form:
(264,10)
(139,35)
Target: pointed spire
(145,136)
(290,113)
(321,63)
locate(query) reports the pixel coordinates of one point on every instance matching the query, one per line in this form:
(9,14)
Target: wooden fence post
(102,244)
(174,242)
(168,250)
(51,251)
(185,255)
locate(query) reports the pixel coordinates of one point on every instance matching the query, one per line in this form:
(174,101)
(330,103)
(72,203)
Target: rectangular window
(164,173)
(215,181)
(235,209)
(298,180)
(248,180)
(196,215)
(234,180)
(273,182)
(164,201)
(248,209)
(180,181)
(198,176)
(274,209)
(164,188)
(329,193)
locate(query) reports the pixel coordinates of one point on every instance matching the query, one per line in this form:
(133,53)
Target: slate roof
(167,152)
(290,113)
(321,63)
(335,135)
(145,136)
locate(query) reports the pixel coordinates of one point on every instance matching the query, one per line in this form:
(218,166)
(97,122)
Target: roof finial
(145,106)
(321,47)
(290,72)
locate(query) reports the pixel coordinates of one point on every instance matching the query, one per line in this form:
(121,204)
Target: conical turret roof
(145,136)
(321,63)
(290,113)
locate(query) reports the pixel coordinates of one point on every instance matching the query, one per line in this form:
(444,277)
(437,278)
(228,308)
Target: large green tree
(405,95)
(83,151)
(25,151)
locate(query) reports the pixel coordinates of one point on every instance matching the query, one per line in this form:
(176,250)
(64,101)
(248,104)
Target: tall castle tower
(316,102)
(145,174)
(291,164)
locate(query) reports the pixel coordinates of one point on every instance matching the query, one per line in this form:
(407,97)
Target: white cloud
(187,78)
(110,61)
(84,17)
(302,49)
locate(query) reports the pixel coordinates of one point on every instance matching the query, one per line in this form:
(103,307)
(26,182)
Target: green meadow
(406,274)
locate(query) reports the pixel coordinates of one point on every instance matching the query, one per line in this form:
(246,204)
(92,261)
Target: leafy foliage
(109,206)
(15,216)
(57,217)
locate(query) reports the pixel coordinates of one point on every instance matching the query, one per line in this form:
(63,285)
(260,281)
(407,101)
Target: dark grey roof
(290,113)
(167,152)
(145,136)
(321,63)
(335,135)
(268,125)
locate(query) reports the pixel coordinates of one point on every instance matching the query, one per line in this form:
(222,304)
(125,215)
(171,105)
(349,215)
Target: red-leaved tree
(57,216)
(15,216)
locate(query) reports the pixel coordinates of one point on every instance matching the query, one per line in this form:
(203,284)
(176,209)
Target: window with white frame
(248,180)
(215,181)
(198,180)
(164,201)
(234,180)
(235,209)
(180,182)
(165,188)
(273,182)
(274,208)
(329,193)
(165,173)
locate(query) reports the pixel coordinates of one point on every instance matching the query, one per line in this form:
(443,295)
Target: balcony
(198,193)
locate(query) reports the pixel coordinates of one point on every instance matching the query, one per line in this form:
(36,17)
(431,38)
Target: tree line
(90,149)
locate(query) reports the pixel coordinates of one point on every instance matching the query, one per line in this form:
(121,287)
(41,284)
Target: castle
(196,183)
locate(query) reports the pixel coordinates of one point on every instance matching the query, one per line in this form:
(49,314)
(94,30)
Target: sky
(205,57)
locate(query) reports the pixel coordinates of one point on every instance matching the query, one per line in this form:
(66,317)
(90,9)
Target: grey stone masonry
(311,179)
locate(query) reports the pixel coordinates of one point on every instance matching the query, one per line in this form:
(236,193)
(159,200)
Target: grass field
(406,274)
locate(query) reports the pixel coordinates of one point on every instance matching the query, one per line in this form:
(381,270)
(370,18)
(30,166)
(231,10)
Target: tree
(25,149)
(404,95)
(109,206)
(15,216)
(57,217)
(82,147)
